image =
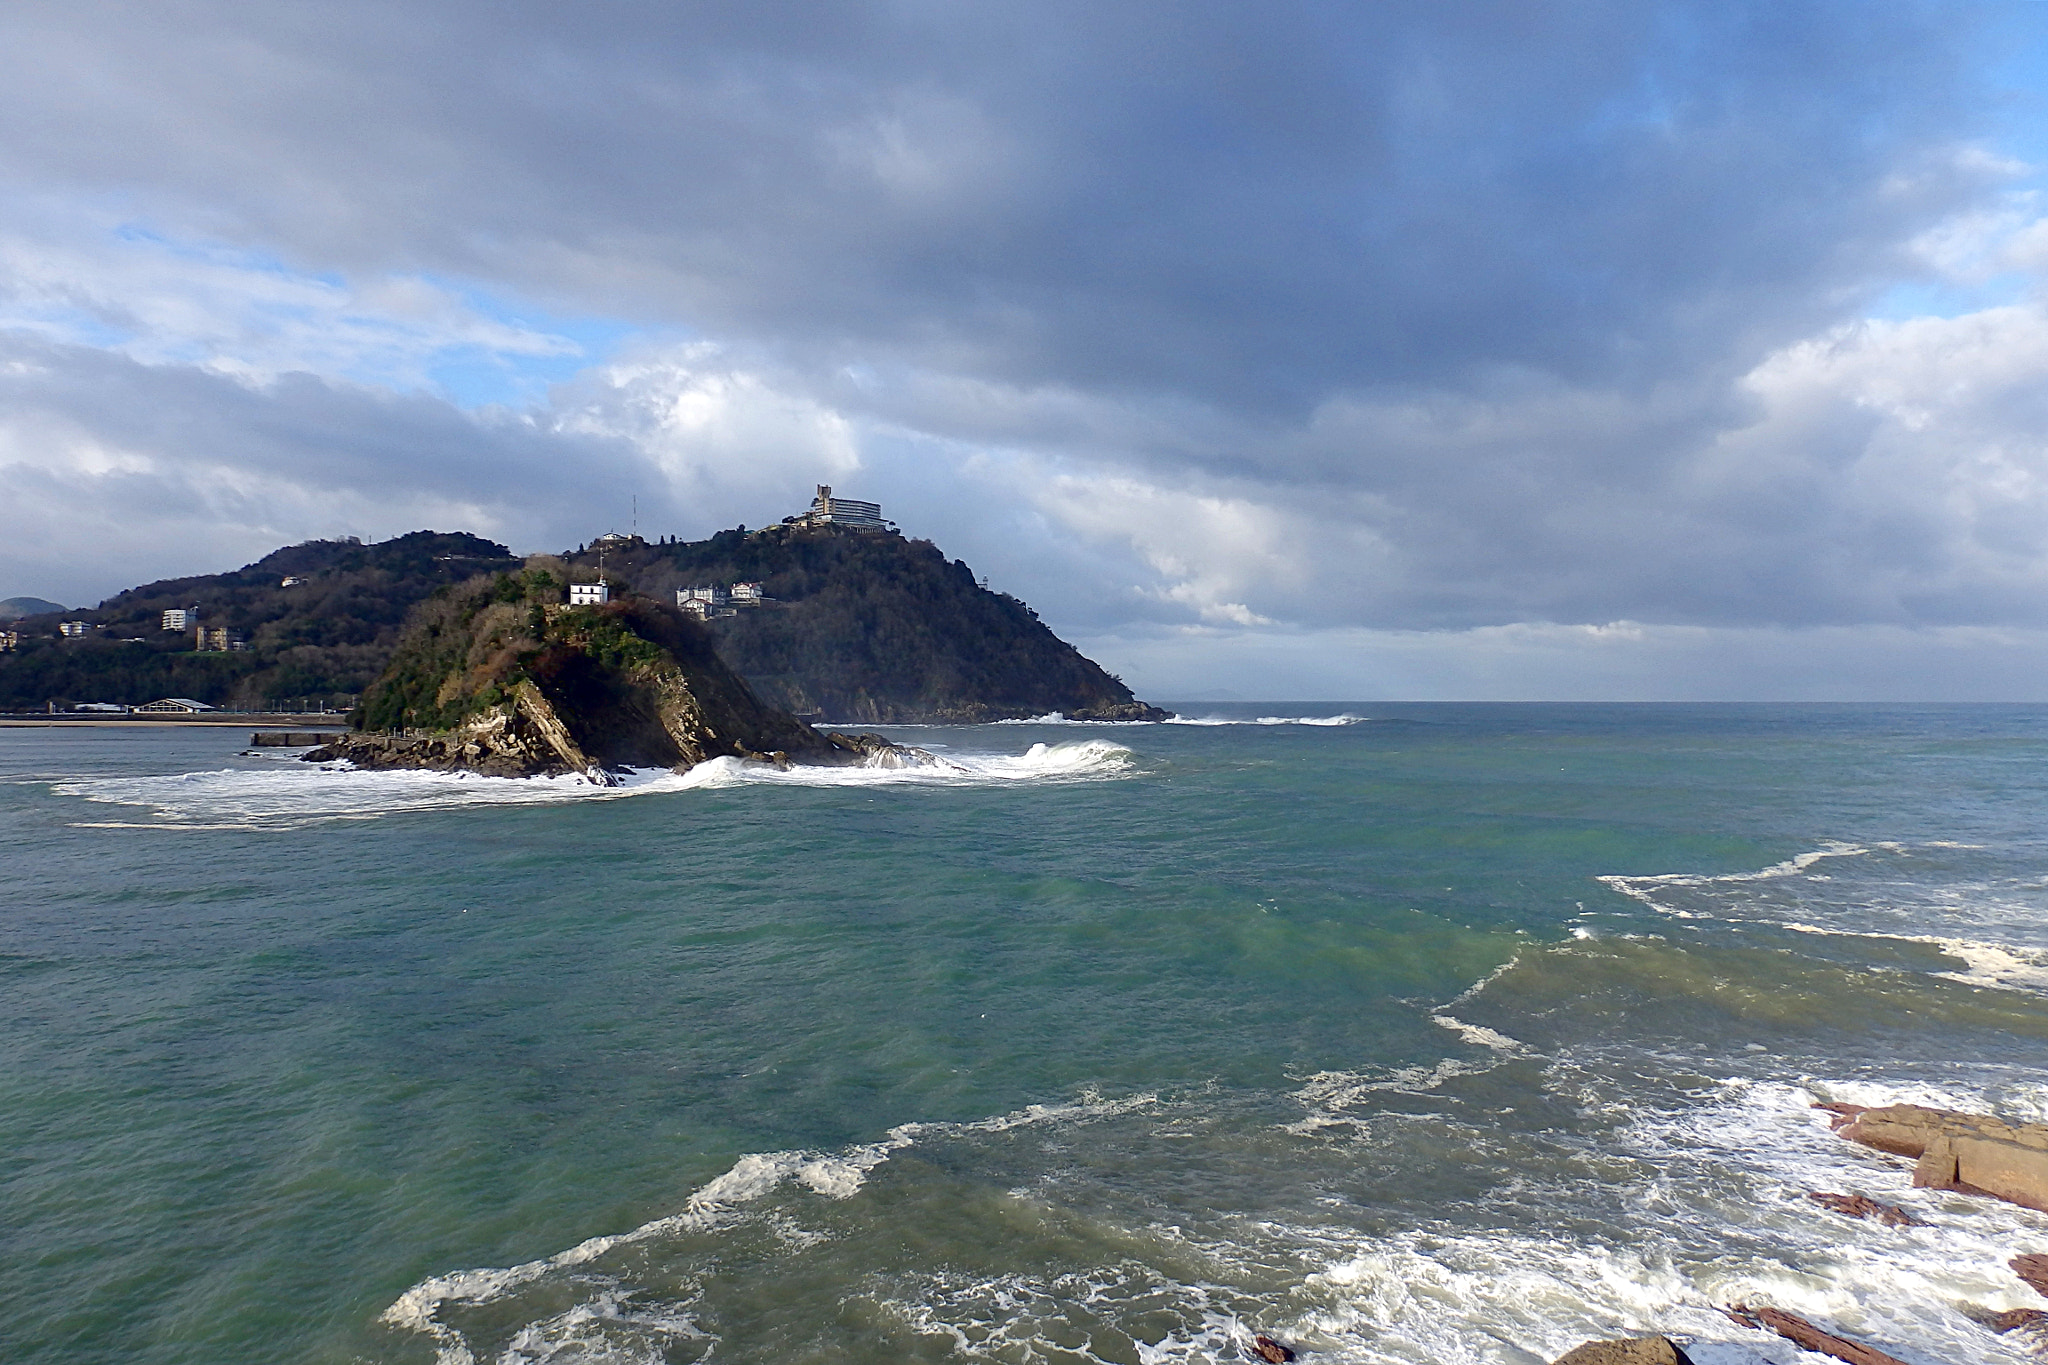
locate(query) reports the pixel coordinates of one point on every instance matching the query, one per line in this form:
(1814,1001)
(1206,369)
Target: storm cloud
(1190,322)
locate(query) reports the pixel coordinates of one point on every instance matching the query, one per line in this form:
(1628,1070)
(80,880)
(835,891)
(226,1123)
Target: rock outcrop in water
(1863,1206)
(499,678)
(1630,1351)
(1968,1153)
(1808,1337)
(2033,1269)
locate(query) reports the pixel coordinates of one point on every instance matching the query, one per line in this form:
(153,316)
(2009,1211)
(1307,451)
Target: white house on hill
(590,594)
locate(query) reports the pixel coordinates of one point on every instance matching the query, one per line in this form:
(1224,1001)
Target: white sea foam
(290,795)
(1655,1224)
(2007,966)
(2002,950)
(1478,1034)
(1712,1210)
(1082,760)
(1998,965)
(1055,718)
(1345,719)
(1643,888)
(720,1202)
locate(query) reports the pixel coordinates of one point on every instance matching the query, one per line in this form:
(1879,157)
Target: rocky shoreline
(508,749)
(1972,1154)
(504,680)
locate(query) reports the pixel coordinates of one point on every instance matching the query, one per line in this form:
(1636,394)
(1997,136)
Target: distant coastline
(29,720)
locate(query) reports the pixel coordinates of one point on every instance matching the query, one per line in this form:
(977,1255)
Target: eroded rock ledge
(1968,1153)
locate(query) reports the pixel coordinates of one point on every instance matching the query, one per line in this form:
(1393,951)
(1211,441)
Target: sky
(1604,351)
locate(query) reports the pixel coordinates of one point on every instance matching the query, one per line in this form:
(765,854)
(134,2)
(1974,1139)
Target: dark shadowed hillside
(324,637)
(869,627)
(14,608)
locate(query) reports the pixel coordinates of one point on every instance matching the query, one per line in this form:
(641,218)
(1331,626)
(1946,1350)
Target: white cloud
(84,278)
(724,440)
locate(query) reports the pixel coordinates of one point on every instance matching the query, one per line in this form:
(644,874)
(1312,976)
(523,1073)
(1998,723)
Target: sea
(1398,1033)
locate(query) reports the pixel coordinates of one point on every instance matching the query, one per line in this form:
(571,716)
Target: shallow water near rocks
(1414,1034)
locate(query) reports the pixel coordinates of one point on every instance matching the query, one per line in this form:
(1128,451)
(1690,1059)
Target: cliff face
(869,627)
(498,677)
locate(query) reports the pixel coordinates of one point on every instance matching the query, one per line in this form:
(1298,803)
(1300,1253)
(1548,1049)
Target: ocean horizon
(1420,1032)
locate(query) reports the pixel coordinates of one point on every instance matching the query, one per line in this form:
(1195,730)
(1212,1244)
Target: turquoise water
(1085,1043)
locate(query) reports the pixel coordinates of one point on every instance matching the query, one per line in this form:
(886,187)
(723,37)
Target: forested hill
(324,638)
(868,627)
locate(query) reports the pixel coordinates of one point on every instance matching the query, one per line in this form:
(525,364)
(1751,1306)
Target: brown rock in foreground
(1863,1206)
(1631,1351)
(2012,1319)
(1969,1153)
(1807,1337)
(1271,1351)
(2033,1269)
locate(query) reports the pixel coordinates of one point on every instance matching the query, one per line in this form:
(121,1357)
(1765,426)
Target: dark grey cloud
(1407,315)
(1259,205)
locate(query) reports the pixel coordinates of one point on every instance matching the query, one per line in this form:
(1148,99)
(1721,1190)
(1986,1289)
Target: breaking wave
(1055,718)
(1880,891)
(720,1204)
(1344,719)
(288,794)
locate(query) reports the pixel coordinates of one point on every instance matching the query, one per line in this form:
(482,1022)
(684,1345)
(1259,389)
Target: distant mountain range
(14,608)
(862,626)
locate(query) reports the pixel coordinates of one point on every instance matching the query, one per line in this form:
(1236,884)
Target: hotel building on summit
(827,510)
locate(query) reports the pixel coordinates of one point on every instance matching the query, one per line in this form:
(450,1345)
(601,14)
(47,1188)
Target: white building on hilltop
(590,594)
(181,618)
(827,510)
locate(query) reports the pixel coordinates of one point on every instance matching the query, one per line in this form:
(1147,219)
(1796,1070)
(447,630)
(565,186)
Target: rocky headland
(859,625)
(869,627)
(500,677)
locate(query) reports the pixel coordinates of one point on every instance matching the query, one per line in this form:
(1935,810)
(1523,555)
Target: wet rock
(1862,1206)
(493,680)
(2029,1326)
(1119,711)
(1808,1337)
(1968,1153)
(1271,1351)
(1629,1351)
(2033,1269)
